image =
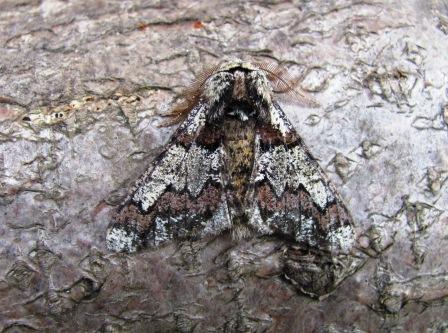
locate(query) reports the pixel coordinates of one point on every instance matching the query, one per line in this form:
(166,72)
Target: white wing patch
(118,239)
(201,165)
(256,221)
(168,171)
(272,165)
(279,121)
(195,120)
(220,221)
(302,170)
(292,167)
(307,233)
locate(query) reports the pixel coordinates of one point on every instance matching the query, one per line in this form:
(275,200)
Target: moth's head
(239,89)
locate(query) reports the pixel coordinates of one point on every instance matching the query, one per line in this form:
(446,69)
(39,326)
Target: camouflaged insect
(235,163)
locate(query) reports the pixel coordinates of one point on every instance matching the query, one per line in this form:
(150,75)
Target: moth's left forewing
(181,194)
(291,194)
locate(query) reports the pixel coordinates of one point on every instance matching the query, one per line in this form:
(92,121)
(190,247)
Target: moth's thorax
(239,86)
(238,90)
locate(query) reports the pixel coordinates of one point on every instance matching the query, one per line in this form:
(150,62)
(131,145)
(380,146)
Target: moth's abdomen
(238,142)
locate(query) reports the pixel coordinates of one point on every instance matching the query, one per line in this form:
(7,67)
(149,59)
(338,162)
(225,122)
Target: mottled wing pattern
(180,196)
(290,195)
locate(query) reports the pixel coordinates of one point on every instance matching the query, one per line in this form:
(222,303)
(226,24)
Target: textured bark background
(82,87)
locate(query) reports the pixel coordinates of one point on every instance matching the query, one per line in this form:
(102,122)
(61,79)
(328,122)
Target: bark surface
(83,86)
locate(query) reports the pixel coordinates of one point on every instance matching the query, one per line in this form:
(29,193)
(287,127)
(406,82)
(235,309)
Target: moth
(234,164)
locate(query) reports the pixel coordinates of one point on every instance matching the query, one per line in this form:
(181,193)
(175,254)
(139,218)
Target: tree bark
(83,88)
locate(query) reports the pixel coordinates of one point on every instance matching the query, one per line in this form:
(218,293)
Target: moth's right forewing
(292,196)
